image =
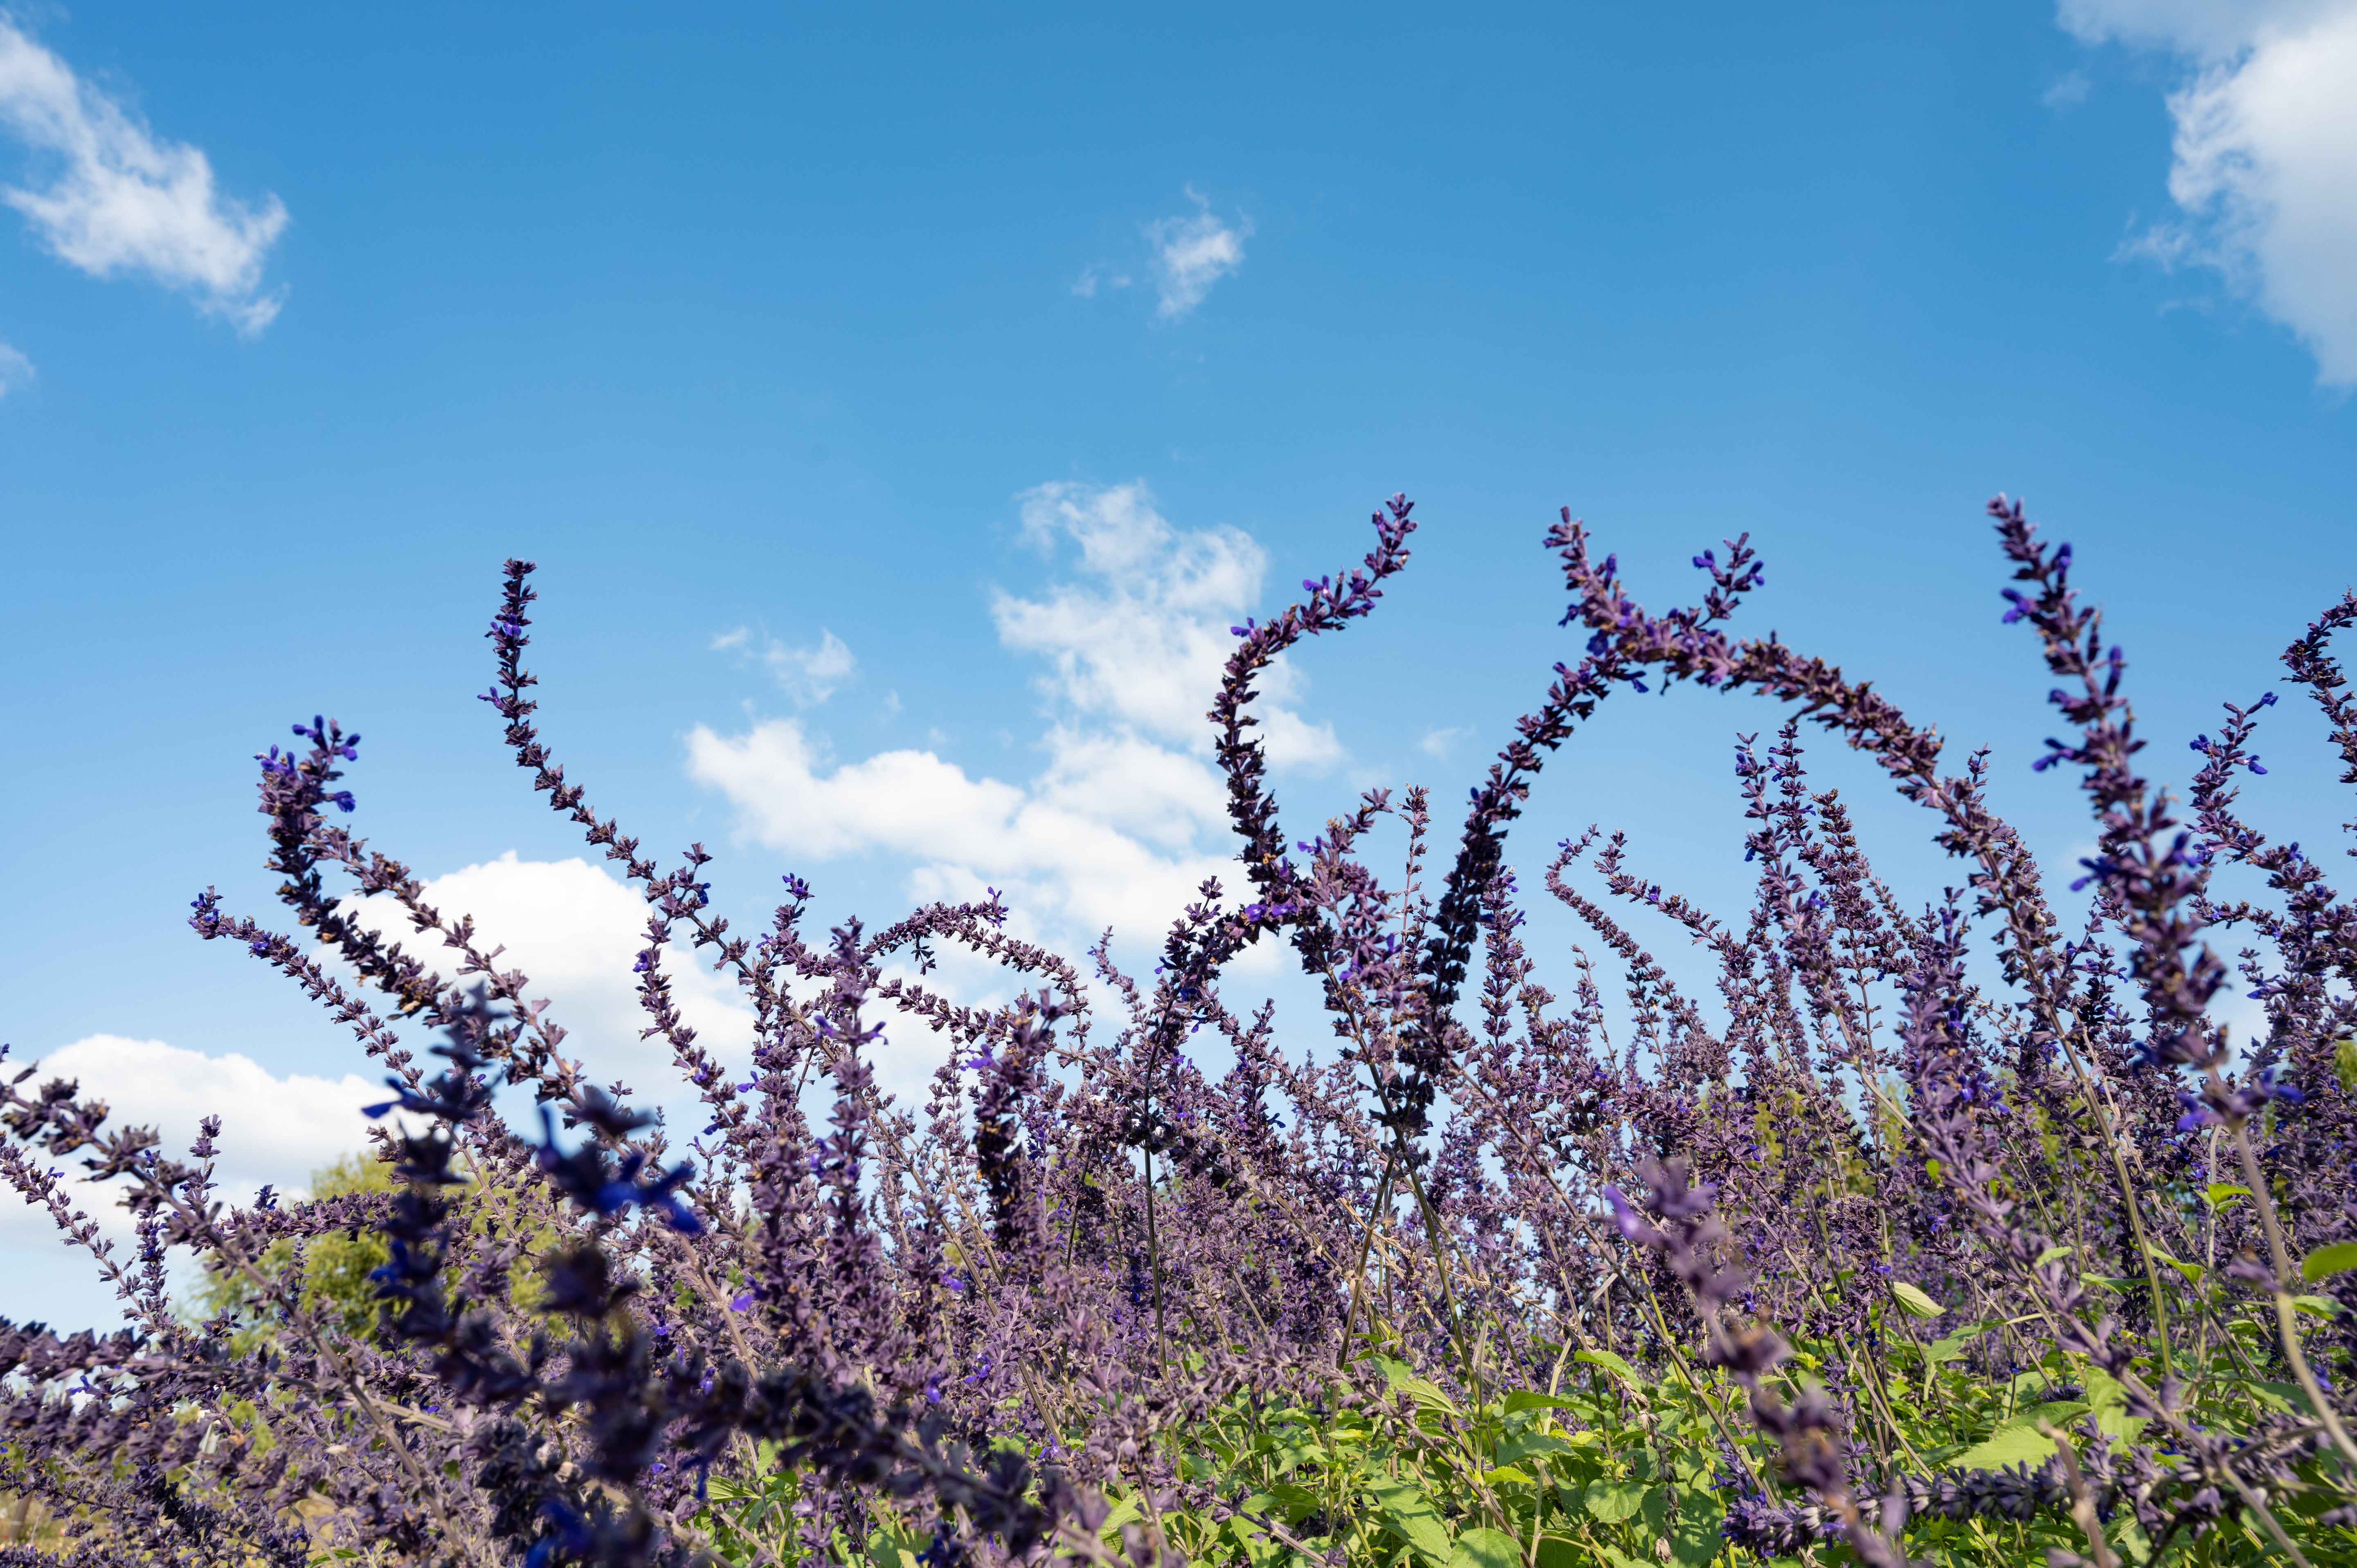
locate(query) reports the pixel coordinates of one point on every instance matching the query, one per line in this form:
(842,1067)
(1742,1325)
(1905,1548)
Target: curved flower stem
(1366,1250)
(1154,1256)
(2286,1324)
(2083,1503)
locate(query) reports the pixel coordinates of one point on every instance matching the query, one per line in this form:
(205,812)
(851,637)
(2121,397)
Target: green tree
(336,1266)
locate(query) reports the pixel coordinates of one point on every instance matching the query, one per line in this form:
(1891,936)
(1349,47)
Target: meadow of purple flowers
(1867,1259)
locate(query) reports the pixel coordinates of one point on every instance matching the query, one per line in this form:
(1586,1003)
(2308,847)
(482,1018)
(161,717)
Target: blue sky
(901,402)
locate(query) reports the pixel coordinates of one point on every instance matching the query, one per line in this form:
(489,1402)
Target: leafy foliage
(335,1268)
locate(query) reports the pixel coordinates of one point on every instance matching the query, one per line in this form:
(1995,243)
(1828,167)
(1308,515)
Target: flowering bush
(1877,1259)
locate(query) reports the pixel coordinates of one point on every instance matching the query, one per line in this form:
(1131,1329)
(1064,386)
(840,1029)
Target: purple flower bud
(1624,1217)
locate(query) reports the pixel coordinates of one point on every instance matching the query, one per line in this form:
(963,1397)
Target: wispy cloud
(116,199)
(1192,251)
(2067,91)
(1441,742)
(2264,175)
(15,370)
(809,675)
(1093,278)
(1128,816)
(1138,638)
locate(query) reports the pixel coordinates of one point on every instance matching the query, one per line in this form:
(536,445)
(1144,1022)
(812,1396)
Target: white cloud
(2067,91)
(574,931)
(275,1130)
(1057,849)
(1141,640)
(1128,816)
(1441,742)
(809,675)
(570,926)
(2211,30)
(2266,153)
(1191,252)
(117,200)
(16,371)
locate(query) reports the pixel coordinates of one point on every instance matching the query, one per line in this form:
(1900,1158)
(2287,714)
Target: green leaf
(723,1489)
(2011,1446)
(1696,1541)
(2316,1305)
(1916,1300)
(2054,1411)
(1953,1346)
(1409,1514)
(2218,1192)
(1296,1502)
(1486,1548)
(1522,1445)
(1529,1399)
(1627,1373)
(1572,1474)
(2017,1440)
(1424,1391)
(2325,1261)
(1124,1511)
(1560,1551)
(2114,1423)
(2108,1399)
(2051,1253)
(1613,1501)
